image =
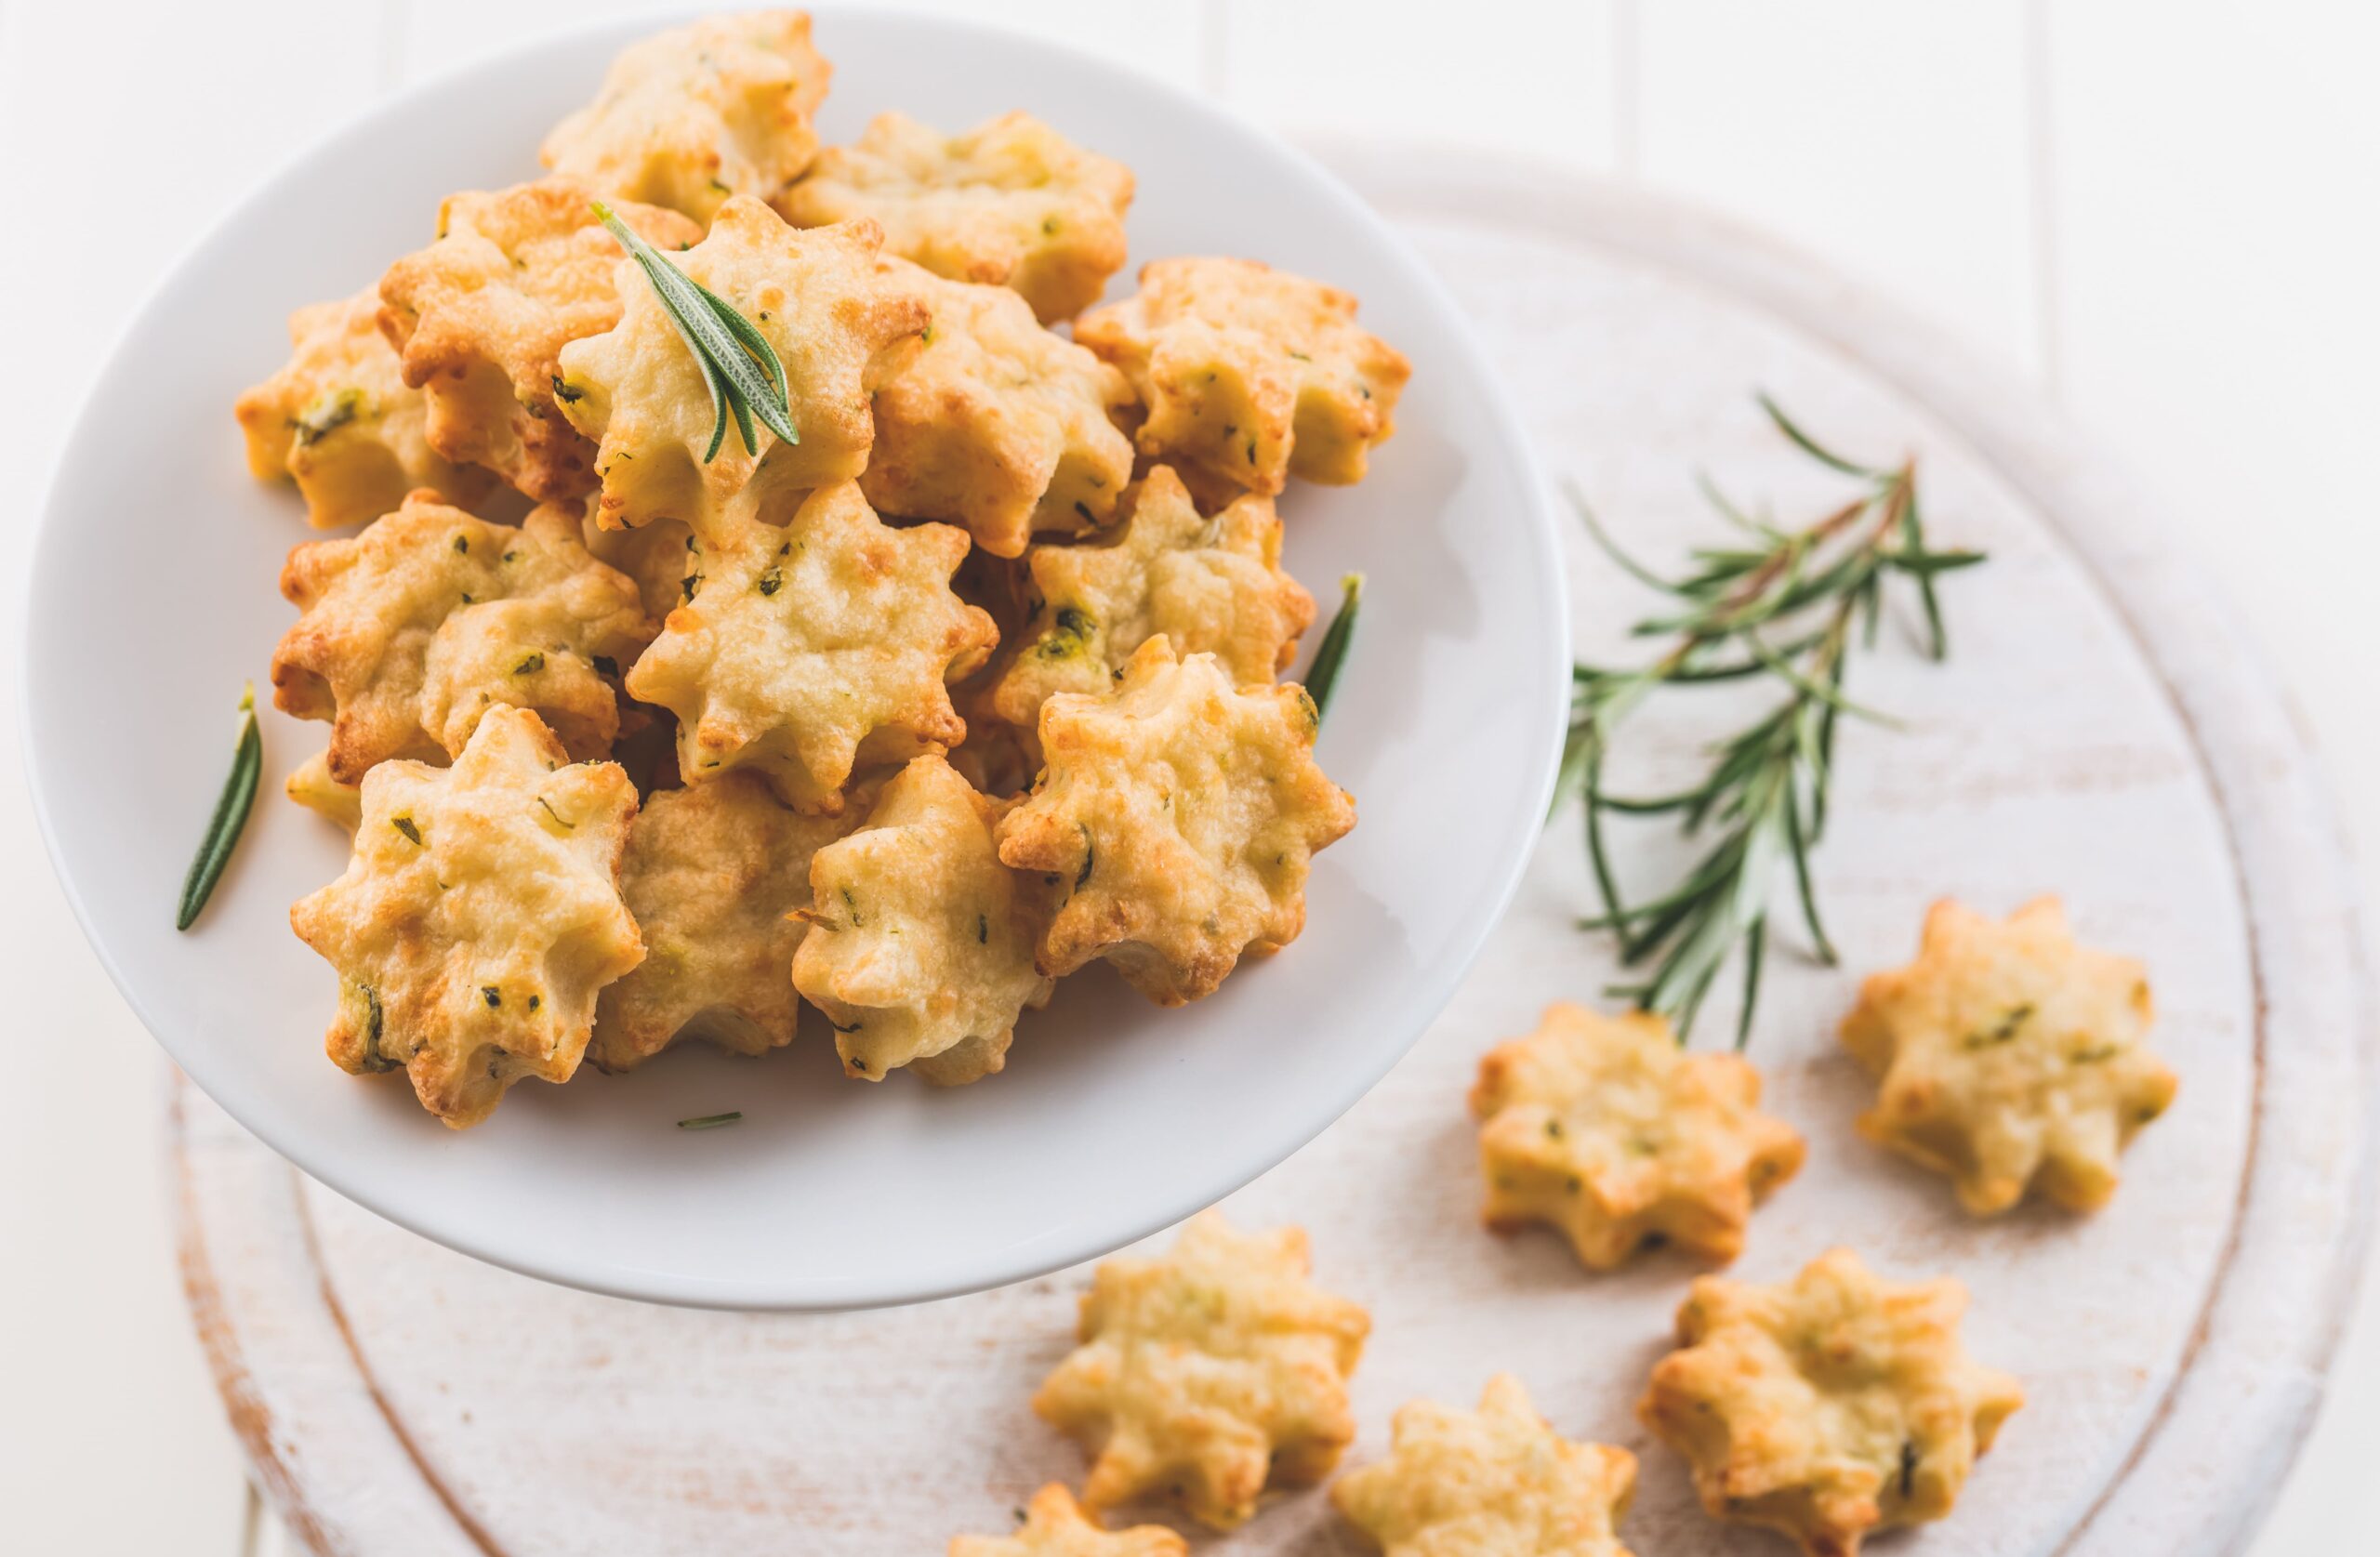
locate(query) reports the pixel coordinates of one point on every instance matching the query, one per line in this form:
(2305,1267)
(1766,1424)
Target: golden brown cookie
(1251,374)
(689,118)
(808,648)
(1181,816)
(339,420)
(1494,1483)
(715,874)
(1604,1128)
(1055,1525)
(997,424)
(921,950)
(1011,203)
(1208,1372)
(479,916)
(412,630)
(1212,585)
(2010,1058)
(839,322)
(480,317)
(1828,1407)
(310,785)
(658,556)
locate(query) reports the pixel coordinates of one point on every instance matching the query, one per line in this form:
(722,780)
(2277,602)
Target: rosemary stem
(1786,609)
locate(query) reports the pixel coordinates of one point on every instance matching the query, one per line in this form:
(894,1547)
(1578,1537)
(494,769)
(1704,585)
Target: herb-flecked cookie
(1055,1525)
(409,633)
(1604,1128)
(688,117)
(1183,814)
(2010,1058)
(1011,203)
(1251,374)
(1493,1483)
(813,647)
(1830,1406)
(997,424)
(841,324)
(339,420)
(1211,585)
(310,785)
(479,916)
(921,950)
(1208,1372)
(480,317)
(715,874)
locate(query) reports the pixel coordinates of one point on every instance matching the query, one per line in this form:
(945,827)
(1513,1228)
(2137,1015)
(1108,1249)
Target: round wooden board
(2101,731)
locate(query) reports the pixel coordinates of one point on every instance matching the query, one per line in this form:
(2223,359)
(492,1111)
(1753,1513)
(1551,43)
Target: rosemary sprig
(231,816)
(1332,653)
(1788,605)
(741,368)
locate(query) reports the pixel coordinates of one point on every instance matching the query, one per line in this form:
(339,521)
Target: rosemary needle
(1783,607)
(1332,651)
(231,815)
(745,377)
(709,1121)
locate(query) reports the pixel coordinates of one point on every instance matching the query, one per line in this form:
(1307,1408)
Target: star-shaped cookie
(688,117)
(1011,203)
(409,633)
(809,647)
(997,424)
(479,318)
(339,420)
(1604,1128)
(1209,1372)
(921,950)
(714,873)
(1251,374)
(1828,1407)
(841,323)
(1055,1527)
(2010,1058)
(1493,1483)
(1210,586)
(1181,816)
(479,916)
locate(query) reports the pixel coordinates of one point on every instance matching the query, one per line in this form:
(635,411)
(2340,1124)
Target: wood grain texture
(2101,732)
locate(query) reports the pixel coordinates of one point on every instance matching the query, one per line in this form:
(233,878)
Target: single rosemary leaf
(1809,446)
(711,1121)
(1324,673)
(231,816)
(720,396)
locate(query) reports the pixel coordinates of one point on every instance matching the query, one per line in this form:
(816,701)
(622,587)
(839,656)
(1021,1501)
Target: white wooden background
(2165,213)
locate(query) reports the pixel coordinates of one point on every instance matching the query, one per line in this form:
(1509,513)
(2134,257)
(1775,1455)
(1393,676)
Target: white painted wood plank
(1162,38)
(1889,139)
(132,127)
(1514,75)
(2217,241)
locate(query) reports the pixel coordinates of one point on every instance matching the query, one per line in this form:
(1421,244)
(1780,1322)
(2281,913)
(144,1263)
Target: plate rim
(1076,1241)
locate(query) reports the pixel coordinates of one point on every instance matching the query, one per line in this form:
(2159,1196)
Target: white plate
(153,598)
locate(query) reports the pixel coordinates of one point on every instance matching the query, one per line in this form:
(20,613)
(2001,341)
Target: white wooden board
(2100,732)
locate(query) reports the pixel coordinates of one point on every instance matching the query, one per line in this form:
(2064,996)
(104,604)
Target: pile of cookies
(646,734)
(1826,1408)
